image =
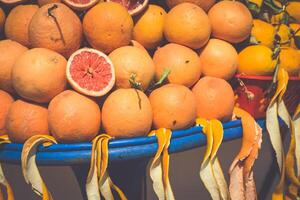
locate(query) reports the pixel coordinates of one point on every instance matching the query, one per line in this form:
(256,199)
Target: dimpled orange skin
(39,75)
(17,23)
(230,21)
(174,107)
(219,59)
(26,119)
(43,31)
(108,26)
(73,117)
(187,24)
(10,52)
(214,98)
(183,62)
(204,4)
(127,113)
(6,101)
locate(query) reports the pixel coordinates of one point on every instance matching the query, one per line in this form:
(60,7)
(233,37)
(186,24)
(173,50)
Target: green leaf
(297,41)
(163,77)
(271,4)
(253,7)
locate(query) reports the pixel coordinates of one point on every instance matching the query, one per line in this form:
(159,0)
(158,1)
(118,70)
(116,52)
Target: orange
(263,33)
(61,31)
(73,117)
(187,24)
(183,63)
(17,23)
(290,60)
(132,63)
(204,4)
(6,101)
(2,19)
(10,52)
(127,113)
(214,98)
(256,60)
(148,29)
(108,26)
(230,21)
(174,107)
(26,119)
(39,75)
(293,10)
(219,59)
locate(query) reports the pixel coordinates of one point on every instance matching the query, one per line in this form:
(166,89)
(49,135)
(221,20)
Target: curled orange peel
(159,168)
(242,184)
(29,167)
(4,139)
(98,182)
(211,172)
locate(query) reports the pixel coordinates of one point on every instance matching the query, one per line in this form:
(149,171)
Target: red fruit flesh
(130,4)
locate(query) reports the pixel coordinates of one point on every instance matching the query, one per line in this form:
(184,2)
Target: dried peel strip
(98,181)
(242,185)
(211,172)
(3,181)
(29,167)
(159,168)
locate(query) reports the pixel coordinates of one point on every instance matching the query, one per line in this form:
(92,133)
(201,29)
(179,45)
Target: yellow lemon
(290,60)
(2,19)
(256,60)
(293,9)
(148,29)
(263,32)
(295,28)
(285,33)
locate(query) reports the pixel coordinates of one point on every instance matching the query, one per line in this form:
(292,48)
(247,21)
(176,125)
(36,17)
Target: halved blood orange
(12,2)
(90,72)
(134,7)
(80,4)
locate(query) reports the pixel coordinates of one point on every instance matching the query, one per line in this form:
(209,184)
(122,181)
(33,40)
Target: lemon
(293,9)
(290,60)
(263,32)
(256,60)
(276,19)
(295,27)
(285,34)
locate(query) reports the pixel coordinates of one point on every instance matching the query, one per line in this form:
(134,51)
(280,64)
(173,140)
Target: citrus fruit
(80,4)
(132,65)
(296,29)
(17,23)
(290,60)
(219,59)
(10,51)
(214,98)
(6,101)
(256,60)
(56,27)
(183,63)
(230,21)
(187,24)
(148,29)
(73,117)
(108,26)
(204,4)
(284,34)
(12,2)
(174,107)
(138,45)
(44,2)
(90,72)
(293,10)
(39,74)
(277,18)
(2,19)
(263,33)
(127,113)
(134,7)
(26,119)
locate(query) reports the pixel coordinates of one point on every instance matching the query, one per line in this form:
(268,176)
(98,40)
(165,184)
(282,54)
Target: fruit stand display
(95,82)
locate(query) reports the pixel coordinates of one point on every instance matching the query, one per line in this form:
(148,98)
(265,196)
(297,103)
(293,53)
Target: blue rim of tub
(120,149)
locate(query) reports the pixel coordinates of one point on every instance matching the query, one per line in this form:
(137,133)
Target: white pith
(78,6)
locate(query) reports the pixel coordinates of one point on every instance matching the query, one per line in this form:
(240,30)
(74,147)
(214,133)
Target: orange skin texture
(6,101)
(73,117)
(214,98)
(183,62)
(130,60)
(127,113)
(43,31)
(187,24)
(26,119)
(108,26)
(230,21)
(39,75)
(2,19)
(204,4)
(44,2)
(10,52)
(174,107)
(219,59)
(17,23)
